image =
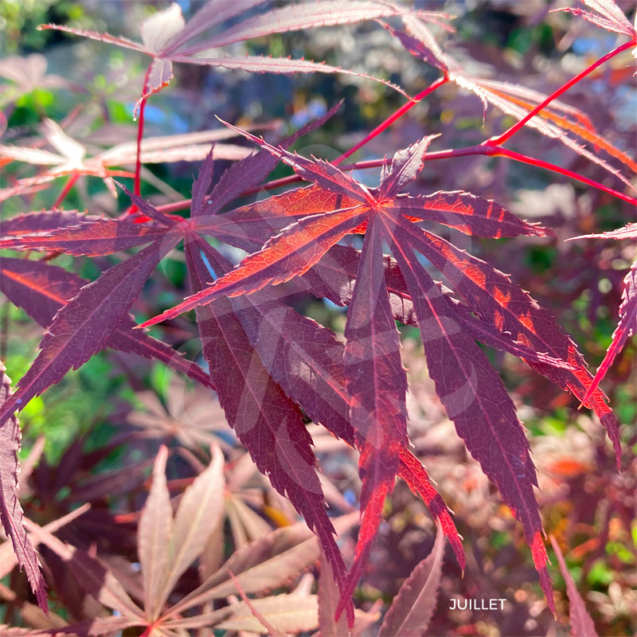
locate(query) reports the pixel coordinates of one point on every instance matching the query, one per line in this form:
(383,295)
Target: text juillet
(477,604)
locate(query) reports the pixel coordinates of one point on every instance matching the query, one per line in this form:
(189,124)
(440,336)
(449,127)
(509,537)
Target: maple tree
(272,367)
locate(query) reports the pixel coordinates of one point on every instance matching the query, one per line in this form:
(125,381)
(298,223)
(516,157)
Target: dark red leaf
(41,290)
(414,474)
(321,172)
(249,172)
(268,424)
(249,227)
(467,213)
(581,623)
(333,277)
(36,222)
(405,167)
(91,237)
(377,384)
(500,302)
(626,328)
(81,328)
(306,360)
(287,255)
(10,510)
(472,392)
(421,43)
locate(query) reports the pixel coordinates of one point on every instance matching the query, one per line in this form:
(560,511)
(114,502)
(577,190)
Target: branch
(498,141)
(392,118)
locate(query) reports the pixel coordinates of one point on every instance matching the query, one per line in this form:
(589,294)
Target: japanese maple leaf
(239,337)
(472,392)
(71,157)
(265,419)
(11,515)
(42,290)
(28,73)
(555,120)
(627,325)
(313,220)
(606,15)
(167,38)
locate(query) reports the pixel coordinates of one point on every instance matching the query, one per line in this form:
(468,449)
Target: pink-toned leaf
(201,509)
(157,147)
(159,76)
(295,17)
(161,27)
(11,514)
(527,100)
(73,151)
(581,623)
(547,123)
(412,608)
(26,187)
(608,16)
(264,564)
(258,64)
(94,35)
(327,597)
(94,627)
(35,156)
(211,13)
(153,537)
(274,615)
(256,614)
(629,231)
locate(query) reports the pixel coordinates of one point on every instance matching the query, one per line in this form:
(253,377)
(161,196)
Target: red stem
(488,151)
(392,118)
(498,141)
(140,135)
(65,191)
(503,152)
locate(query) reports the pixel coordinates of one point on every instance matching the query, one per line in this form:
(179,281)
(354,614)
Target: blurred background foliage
(584,502)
